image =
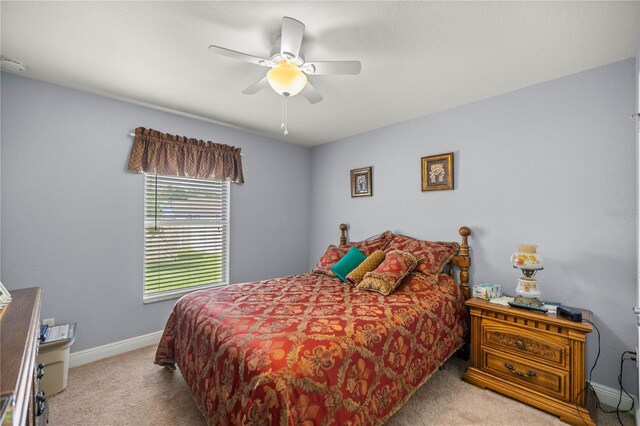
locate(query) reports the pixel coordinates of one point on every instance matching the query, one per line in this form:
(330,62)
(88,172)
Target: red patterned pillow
(328,259)
(372,244)
(388,276)
(435,255)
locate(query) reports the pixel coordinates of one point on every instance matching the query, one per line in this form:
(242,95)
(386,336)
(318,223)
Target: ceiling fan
(288,69)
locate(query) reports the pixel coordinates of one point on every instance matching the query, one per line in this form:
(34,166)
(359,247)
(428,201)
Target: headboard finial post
(464,247)
(343,234)
(465,261)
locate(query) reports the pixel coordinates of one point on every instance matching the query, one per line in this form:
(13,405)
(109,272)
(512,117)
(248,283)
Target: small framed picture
(5,297)
(361,183)
(437,172)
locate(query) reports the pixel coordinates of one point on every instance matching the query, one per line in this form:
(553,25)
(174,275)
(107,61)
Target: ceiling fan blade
(291,37)
(240,56)
(256,87)
(332,67)
(312,95)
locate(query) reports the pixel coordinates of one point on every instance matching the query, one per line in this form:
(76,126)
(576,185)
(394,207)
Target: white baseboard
(609,396)
(110,349)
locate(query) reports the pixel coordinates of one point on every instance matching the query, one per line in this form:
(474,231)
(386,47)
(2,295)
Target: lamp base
(531,302)
(528,287)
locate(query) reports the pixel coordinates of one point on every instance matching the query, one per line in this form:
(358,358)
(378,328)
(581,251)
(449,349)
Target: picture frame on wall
(437,172)
(361,182)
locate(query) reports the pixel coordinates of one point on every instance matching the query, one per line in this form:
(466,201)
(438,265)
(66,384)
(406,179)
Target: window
(186,233)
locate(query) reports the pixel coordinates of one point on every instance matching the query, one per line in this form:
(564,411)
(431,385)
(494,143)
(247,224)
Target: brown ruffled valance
(164,154)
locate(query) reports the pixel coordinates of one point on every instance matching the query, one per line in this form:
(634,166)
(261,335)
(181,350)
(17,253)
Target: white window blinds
(186,226)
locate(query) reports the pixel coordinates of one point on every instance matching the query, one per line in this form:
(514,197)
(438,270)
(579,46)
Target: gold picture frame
(437,172)
(361,182)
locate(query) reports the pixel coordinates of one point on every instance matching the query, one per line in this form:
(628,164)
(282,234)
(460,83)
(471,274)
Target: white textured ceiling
(417,57)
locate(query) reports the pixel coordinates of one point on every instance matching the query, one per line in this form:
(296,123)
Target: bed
(308,349)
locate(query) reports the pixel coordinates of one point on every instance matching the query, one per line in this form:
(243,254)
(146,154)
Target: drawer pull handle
(40,371)
(512,369)
(519,344)
(41,404)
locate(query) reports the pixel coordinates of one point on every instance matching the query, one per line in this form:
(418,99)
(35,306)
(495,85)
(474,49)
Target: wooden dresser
(19,374)
(536,358)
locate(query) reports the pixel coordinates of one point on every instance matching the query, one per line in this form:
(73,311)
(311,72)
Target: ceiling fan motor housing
(277,56)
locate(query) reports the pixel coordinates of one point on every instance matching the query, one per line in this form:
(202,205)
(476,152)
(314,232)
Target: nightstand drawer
(534,345)
(545,379)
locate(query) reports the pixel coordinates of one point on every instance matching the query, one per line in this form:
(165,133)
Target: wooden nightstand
(536,358)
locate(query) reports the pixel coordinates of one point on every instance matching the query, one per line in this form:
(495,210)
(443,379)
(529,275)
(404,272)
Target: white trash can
(54,356)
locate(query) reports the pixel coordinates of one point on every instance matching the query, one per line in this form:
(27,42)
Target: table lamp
(527,260)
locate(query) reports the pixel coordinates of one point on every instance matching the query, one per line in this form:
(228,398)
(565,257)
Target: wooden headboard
(462,260)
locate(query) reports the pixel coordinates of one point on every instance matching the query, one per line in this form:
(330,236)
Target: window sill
(152,298)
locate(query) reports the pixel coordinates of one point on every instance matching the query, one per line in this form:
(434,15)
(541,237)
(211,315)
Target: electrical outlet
(49,321)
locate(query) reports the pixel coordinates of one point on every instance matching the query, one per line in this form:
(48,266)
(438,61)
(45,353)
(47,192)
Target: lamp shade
(526,257)
(286,79)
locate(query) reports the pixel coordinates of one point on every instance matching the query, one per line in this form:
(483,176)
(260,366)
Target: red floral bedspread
(308,349)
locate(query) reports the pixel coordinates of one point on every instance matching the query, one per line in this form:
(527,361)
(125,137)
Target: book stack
(5,297)
(551,307)
(4,302)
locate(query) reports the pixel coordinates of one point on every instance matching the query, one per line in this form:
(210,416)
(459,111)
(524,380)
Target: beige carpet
(130,390)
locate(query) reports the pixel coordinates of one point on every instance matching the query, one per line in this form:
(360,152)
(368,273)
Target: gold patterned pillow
(369,264)
(389,274)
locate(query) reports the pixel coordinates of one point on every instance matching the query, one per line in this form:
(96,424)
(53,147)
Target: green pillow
(348,263)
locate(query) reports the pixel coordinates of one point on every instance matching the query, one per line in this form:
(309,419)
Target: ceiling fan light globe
(285,77)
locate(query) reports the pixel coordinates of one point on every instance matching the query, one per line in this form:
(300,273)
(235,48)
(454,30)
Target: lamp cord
(589,386)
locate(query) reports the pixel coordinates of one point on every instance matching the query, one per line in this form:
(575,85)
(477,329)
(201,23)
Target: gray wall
(72,219)
(552,164)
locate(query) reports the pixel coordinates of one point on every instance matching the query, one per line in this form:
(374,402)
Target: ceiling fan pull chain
(284,115)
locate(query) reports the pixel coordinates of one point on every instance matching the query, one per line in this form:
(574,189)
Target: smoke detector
(12,65)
